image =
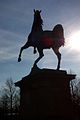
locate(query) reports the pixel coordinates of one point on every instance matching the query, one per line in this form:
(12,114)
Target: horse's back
(49,40)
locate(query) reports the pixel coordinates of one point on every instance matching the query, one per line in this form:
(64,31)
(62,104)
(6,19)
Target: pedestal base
(45,94)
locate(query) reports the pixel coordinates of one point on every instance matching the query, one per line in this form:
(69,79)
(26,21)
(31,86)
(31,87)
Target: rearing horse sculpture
(40,39)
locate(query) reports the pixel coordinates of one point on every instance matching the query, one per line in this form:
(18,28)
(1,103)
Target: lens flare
(74,41)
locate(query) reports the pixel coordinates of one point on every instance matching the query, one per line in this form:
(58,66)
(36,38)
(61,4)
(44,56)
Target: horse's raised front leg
(22,48)
(56,51)
(35,50)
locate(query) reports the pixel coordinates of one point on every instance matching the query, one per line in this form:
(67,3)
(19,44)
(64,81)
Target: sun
(74,40)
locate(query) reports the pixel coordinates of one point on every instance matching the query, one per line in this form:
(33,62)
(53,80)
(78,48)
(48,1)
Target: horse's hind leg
(59,60)
(56,51)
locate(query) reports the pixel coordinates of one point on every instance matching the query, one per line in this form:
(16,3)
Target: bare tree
(10,96)
(75,91)
(4,103)
(16,101)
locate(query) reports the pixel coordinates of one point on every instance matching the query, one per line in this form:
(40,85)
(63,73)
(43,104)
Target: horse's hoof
(58,68)
(19,59)
(35,51)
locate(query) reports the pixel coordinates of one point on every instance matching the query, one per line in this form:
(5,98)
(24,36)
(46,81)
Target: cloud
(9,44)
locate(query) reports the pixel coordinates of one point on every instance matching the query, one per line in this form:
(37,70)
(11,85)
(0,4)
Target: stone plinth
(45,94)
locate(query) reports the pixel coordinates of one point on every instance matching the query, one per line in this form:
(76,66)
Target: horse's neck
(36,28)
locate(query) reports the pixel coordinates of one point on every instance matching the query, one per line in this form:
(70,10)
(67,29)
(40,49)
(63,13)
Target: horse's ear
(34,11)
(40,11)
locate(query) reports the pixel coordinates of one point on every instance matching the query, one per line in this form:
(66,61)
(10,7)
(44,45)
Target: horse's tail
(58,33)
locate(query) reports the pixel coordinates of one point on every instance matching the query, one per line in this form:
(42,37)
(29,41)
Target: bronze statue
(47,39)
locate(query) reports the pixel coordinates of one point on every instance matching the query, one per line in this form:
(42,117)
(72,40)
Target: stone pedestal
(45,95)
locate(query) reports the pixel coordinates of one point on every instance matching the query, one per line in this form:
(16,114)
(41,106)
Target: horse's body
(44,39)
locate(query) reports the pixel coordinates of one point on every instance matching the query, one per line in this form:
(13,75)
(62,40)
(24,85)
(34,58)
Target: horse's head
(37,17)
(37,12)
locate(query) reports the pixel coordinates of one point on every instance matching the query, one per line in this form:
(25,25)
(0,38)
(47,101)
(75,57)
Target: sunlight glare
(74,41)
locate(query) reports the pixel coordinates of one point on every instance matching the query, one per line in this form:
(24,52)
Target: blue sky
(16,17)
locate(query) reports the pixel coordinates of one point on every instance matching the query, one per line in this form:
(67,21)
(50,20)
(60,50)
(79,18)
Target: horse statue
(47,39)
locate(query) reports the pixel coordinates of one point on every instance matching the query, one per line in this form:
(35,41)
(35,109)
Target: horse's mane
(38,22)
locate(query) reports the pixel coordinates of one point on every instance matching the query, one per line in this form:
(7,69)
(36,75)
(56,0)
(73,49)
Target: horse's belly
(47,42)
